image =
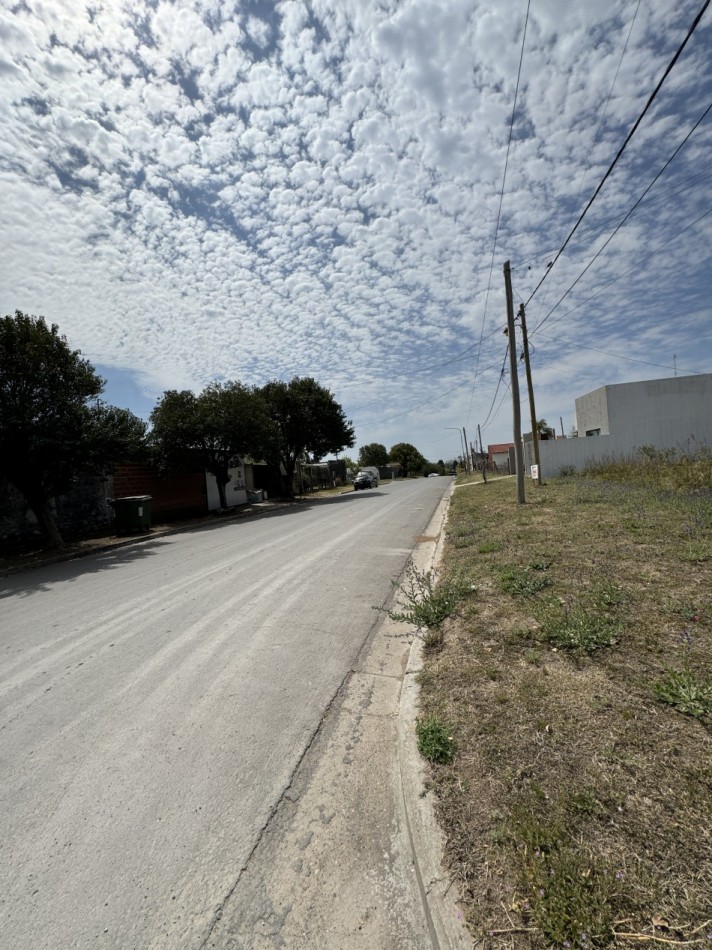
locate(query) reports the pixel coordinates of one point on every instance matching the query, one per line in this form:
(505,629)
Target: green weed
(681,689)
(434,740)
(522,581)
(578,628)
(424,601)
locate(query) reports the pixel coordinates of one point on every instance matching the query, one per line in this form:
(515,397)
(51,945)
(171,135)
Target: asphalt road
(156,700)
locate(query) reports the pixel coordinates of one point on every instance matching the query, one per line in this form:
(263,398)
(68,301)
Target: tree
(52,425)
(409,457)
(209,431)
(544,430)
(306,419)
(351,466)
(373,454)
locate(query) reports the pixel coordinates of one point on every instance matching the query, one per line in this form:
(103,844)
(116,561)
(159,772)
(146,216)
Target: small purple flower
(620,875)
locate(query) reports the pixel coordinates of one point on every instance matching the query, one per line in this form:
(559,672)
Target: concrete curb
(445,916)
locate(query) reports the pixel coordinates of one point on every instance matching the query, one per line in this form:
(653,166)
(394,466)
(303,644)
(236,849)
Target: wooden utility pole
(530,387)
(482,455)
(468,456)
(514,383)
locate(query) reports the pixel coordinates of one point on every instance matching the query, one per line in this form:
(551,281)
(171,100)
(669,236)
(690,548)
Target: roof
(500,447)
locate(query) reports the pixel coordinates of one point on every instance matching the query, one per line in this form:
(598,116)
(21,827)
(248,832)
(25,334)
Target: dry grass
(578,806)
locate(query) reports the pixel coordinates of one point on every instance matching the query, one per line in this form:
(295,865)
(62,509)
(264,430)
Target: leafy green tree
(306,419)
(351,466)
(53,427)
(373,454)
(224,422)
(544,430)
(411,460)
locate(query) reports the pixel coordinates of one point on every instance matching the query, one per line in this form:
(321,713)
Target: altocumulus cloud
(201,190)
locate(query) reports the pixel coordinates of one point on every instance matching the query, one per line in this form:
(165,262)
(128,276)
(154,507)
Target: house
(616,420)
(501,456)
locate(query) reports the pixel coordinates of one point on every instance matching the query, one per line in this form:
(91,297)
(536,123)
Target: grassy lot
(567,706)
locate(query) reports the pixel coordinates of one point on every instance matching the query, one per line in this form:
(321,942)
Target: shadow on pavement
(114,552)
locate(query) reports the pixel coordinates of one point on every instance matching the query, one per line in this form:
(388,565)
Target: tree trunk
(288,479)
(45,516)
(221,492)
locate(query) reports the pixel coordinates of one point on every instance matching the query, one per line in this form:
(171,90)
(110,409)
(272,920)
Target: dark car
(363,480)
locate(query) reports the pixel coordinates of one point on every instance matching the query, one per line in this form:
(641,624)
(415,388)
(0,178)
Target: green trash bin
(132,514)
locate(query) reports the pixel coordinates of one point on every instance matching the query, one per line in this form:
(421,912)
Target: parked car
(364,480)
(433,474)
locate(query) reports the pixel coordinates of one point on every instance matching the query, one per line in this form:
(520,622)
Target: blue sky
(207,190)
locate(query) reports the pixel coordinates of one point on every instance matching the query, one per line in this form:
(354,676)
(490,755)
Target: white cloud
(192,192)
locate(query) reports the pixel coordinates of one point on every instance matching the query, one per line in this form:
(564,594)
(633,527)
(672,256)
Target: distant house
(615,421)
(501,455)
(390,471)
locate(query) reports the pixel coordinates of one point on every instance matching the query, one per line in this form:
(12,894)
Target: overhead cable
(613,164)
(499,209)
(623,220)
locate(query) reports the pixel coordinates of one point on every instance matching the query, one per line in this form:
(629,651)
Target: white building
(615,421)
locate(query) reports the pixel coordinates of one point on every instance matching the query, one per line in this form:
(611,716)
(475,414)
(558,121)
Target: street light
(462,446)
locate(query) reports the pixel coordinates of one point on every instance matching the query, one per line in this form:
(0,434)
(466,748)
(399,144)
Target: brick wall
(174,496)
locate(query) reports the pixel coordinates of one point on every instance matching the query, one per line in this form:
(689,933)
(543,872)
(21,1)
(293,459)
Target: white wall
(665,413)
(235,493)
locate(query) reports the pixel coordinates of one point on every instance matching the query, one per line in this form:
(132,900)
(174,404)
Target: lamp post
(462,446)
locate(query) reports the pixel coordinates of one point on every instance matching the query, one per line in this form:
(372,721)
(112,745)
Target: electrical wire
(685,185)
(635,266)
(634,128)
(605,107)
(499,209)
(499,383)
(619,356)
(623,221)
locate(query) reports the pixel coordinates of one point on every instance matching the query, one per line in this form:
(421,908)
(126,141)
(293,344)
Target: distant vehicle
(433,474)
(452,472)
(365,480)
(373,472)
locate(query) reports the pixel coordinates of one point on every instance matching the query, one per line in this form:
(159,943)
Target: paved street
(156,700)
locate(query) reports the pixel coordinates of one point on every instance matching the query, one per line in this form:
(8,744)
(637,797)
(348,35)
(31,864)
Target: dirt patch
(576,682)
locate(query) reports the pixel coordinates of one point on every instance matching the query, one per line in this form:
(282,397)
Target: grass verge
(575,693)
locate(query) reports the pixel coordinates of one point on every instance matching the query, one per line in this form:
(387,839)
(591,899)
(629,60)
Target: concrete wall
(662,412)
(665,413)
(592,412)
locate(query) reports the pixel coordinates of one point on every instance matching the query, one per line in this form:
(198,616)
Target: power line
(605,107)
(681,187)
(428,402)
(613,164)
(501,199)
(623,221)
(499,382)
(618,356)
(637,264)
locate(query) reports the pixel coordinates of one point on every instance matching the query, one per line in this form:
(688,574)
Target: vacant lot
(569,705)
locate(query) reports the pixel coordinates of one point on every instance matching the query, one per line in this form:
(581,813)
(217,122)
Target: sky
(207,190)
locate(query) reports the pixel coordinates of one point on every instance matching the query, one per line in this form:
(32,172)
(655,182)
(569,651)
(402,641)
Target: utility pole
(482,455)
(530,387)
(468,457)
(514,383)
(561,423)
